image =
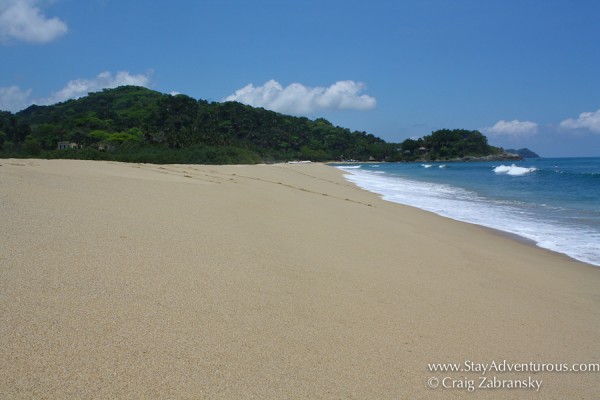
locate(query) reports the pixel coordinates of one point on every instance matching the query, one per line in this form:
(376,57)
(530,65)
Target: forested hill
(137,124)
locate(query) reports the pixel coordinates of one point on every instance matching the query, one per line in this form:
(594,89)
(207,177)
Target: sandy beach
(269,282)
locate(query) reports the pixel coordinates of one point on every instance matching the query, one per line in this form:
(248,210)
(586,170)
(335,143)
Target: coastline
(542,226)
(273,281)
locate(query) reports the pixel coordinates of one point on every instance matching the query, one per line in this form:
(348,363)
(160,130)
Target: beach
(270,282)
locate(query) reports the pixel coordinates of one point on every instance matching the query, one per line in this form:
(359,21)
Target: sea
(555,202)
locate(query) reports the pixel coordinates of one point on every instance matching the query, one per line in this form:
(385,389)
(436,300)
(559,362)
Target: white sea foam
(513,170)
(349,166)
(463,205)
(426,165)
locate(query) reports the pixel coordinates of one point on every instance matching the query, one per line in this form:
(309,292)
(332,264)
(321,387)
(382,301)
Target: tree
(32,146)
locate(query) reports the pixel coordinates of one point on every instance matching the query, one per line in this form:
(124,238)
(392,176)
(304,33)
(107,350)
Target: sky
(524,72)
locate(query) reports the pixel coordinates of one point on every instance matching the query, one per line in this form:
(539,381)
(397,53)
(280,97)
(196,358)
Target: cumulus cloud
(13,99)
(512,128)
(299,99)
(586,120)
(23,20)
(104,80)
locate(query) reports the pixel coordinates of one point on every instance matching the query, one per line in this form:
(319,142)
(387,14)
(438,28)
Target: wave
(513,170)
(464,205)
(426,165)
(349,166)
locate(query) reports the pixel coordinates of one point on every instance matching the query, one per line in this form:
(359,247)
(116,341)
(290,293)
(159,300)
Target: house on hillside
(66,145)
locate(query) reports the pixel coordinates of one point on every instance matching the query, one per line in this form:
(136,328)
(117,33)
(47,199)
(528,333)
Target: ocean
(554,202)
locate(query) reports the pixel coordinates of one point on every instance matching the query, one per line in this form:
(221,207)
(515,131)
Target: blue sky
(526,73)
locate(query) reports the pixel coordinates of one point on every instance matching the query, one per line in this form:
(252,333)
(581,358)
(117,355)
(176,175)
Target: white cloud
(299,99)
(14,99)
(586,120)
(104,80)
(23,20)
(512,128)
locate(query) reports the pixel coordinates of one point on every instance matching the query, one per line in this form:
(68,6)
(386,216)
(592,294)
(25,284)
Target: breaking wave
(520,218)
(513,170)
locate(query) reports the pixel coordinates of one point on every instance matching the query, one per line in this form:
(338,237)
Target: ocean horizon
(554,202)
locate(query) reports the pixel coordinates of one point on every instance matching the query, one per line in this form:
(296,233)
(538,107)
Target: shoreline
(514,236)
(494,227)
(273,281)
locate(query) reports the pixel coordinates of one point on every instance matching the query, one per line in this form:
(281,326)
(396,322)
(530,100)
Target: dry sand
(276,282)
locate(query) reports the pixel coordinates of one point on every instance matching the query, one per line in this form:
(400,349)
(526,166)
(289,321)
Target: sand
(268,282)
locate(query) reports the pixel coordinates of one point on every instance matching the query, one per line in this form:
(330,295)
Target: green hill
(136,124)
(451,145)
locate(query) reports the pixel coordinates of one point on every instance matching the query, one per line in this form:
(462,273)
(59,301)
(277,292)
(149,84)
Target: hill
(452,145)
(136,124)
(524,152)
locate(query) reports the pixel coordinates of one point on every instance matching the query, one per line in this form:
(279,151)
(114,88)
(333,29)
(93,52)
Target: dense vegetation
(446,144)
(136,124)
